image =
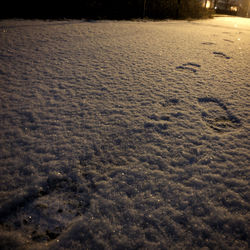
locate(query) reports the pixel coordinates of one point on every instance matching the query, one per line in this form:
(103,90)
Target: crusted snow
(124,135)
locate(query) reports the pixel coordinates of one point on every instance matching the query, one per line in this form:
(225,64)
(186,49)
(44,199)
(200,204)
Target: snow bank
(124,135)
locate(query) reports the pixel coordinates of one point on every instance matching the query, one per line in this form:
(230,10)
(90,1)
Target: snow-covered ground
(125,135)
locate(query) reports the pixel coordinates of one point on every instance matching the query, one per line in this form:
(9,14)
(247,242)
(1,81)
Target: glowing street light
(208,4)
(234,8)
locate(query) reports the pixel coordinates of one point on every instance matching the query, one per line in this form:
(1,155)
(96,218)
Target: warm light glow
(234,8)
(208,4)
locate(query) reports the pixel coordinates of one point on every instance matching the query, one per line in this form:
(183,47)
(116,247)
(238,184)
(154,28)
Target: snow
(124,134)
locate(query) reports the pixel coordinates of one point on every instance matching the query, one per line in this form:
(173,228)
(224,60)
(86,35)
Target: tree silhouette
(111,9)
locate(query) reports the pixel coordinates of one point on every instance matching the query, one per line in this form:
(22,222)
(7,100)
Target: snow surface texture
(125,135)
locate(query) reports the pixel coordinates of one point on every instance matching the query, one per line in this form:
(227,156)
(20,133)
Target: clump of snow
(124,135)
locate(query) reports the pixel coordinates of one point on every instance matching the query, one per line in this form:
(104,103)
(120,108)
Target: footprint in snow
(46,205)
(169,102)
(229,41)
(189,66)
(208,43)
(158,124)
(217,116)
(221,54)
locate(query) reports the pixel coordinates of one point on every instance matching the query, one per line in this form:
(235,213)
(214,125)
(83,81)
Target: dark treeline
(104,9)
